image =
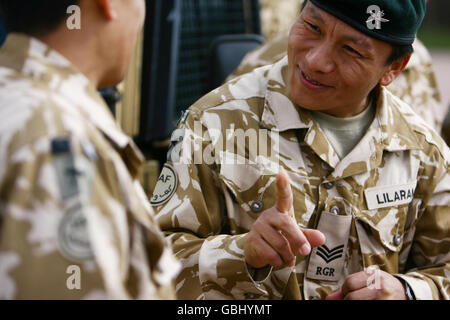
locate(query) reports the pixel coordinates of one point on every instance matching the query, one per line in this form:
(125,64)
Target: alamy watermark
(374,279)
(73,282)
(73,22)
(257,147)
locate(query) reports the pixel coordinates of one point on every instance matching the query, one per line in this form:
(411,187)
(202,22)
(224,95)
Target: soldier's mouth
(311,83)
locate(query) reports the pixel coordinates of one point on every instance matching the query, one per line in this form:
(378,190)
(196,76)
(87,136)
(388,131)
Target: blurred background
(435,34)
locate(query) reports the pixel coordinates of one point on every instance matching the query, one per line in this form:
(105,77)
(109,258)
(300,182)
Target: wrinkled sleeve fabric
(196,220)
(428,272)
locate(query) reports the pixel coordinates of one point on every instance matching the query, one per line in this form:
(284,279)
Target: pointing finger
(284,197)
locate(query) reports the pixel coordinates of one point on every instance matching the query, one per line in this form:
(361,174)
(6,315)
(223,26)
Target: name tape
(390,196)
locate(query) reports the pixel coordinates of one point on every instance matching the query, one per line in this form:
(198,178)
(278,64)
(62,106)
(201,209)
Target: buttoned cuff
(421,287)
(259,274)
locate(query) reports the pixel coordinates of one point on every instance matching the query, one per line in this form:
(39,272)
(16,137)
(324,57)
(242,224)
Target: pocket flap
(386,225)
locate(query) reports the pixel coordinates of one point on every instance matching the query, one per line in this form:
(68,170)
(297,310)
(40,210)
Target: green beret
(393,21)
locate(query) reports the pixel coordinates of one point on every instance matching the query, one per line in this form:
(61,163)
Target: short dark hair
(399,52)
(34,17)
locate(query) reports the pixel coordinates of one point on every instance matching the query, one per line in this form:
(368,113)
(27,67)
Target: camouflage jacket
(417,84)
(391,194)
(74,221)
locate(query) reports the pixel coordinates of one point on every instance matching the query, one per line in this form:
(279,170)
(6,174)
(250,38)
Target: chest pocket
(250,191)
(247,191)
(381,234)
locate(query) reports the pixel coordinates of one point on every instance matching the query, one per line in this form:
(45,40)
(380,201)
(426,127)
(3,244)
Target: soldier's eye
(351,50)
(313,27)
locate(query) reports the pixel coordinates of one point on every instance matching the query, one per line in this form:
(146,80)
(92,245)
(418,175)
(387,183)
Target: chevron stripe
(330,251)
(329,259)
(329,255)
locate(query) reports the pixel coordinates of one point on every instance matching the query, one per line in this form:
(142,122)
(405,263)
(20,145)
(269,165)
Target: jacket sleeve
(42,209)
(61,217)
(196,219)
(428,272)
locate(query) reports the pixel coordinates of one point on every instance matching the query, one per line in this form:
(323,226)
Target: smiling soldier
(361,206)
(416,85)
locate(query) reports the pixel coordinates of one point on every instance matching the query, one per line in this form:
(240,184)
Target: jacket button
(257,206)
(335,211)
(397,239)
(329,185)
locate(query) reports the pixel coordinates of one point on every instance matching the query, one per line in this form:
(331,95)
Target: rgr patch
(166,186)
(389,196)
(73,236)
(327,262)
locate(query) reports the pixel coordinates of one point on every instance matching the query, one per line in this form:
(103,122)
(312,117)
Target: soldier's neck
(79,49)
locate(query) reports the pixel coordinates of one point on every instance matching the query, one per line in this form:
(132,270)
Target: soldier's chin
(111,81)
(310,107)
(305,102)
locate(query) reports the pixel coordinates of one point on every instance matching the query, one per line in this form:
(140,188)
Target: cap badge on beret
(376,17)
(393,21)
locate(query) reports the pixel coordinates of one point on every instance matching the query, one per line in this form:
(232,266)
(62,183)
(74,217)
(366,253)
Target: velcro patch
(389,196)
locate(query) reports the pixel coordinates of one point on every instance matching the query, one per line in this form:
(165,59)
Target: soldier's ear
(394,71)
(108,9)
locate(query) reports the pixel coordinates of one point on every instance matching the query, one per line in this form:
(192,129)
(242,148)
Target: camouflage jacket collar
(35,60)
(390,131)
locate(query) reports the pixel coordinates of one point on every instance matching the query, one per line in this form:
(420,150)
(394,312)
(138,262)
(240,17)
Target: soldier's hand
(275,238)
(378,285)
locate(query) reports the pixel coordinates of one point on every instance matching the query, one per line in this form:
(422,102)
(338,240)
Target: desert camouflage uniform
(211,206)
(416,85)
(278,16)
(74,221)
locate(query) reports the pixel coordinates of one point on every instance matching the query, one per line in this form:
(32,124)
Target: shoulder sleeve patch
(73,238)
(166,186)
